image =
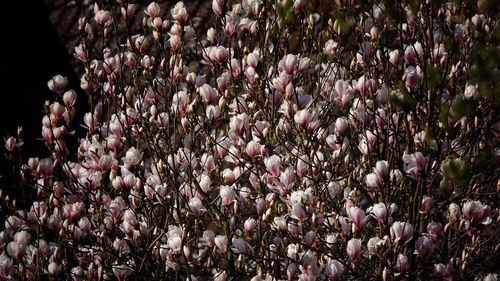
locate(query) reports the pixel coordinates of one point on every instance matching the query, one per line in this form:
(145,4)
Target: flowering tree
(356,141)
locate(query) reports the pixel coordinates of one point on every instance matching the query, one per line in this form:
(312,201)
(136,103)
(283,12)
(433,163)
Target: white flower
(133,157)
(179,12)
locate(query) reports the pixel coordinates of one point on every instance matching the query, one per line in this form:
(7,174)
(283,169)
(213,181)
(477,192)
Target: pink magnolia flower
(414,53)
(476,212)
(215,54)
(179,12)
(454,213)
(5,266)
(53,269)
(287,178)
(299,212)
(357,216)
(273,165)
(379,211)
(302,165)
(250,225)
(341,125)
(227,194)
(238,123)
(208,162)
(69,98)
(354,248)
(57,84)
(280,223)
(291,271)
(196,206)
(306,118)
(153,10)
(45,167)
(240,246)
(175,42)
(382,169)
(334,269)
(372,245)
(133,157)
(423,246)
(253,149)
(414,164)
(221,242)
(330,47)
(401,231)
(251,6)
(217,6)
(374,181)
(16,250)
(11,143)
(209,238)
(102,17)
(426,205)
(413,77)
(174,243)
(402,264)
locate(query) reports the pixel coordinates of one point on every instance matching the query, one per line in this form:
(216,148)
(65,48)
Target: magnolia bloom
(414,164)
(179,12)
(273,165)
(215,54)
(53,269)
(250,225)
(423,246)
(302,166)
(394,57)
(238,123)
(402,264)
(226,194)
(133,157)
(306,118)
(253,149)
(426,205)
(413,77)
(299,212)
(401,231)
(221,242)
(11,144)
(153,10)
(330,47)
(58,83)
(251,6)
(16,250)
(240,246)
(45,167)
(334,269)
(414,53)
(357,216)
(374,181)
(471,90)
(208,94)
(102,17)
(217,6)
(476,212)
(354,248)
(341,125)
(372,245)
(196,206)
(379,211)
(5,266)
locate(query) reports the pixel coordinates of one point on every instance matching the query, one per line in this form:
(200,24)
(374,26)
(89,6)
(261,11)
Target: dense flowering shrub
(358,140)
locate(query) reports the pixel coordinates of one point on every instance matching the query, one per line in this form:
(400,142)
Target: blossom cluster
(284,141)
